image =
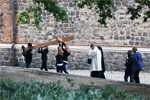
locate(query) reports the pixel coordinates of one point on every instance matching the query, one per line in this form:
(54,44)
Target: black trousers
(98,74)
(136,76)
(59,69)
(44,65)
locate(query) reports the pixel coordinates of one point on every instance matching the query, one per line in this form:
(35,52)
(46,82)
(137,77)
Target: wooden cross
(50,43)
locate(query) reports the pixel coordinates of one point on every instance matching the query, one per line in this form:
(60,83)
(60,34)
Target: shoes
(46,69)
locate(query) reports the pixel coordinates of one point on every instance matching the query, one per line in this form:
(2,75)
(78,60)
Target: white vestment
(95,56)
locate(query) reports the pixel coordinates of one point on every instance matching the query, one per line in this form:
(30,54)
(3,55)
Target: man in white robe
(96,64)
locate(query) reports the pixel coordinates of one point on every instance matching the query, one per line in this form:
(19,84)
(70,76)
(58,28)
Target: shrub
(35,90)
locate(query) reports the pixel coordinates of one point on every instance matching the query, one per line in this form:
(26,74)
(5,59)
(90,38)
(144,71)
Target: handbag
(89,61)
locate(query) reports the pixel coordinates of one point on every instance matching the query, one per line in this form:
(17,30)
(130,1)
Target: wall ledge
(84,48)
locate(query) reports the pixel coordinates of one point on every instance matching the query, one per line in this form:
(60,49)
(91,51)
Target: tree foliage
(104,8)
(35,11)
(135,11)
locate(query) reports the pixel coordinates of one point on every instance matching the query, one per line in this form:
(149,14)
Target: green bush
(35,90)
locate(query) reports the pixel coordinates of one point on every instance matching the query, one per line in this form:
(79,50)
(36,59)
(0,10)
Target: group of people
(133,62)
(61,57)
(133,66)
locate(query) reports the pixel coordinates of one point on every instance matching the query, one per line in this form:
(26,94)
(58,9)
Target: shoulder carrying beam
(51,42)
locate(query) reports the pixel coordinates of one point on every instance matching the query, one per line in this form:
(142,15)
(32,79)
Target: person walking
(139,65)
(44,52)
(130,66)
(28,55)
(66,53)
(59,59)
(102,63)
(96,64)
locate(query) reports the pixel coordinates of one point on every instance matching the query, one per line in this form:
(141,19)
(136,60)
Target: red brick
(7,27)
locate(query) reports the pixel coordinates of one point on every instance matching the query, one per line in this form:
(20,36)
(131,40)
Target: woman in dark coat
(130,67)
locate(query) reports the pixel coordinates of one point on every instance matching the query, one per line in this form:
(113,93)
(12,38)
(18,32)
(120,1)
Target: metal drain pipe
(13,41)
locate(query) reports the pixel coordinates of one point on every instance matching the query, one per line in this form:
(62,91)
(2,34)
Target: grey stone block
(116,37)
(6,58)
(131,42)
(49,33)
(24,27)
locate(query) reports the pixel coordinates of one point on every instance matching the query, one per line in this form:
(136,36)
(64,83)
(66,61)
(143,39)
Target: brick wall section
(6,20)
(84,26)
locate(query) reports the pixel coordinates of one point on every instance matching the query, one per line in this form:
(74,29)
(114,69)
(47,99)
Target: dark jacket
(102,59)
(131,64)
(128,68)
(43,52)
(59,59)
(65,54)
(139,65)
(28,55)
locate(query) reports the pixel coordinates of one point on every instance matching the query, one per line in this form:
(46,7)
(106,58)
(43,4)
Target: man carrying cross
(28,55)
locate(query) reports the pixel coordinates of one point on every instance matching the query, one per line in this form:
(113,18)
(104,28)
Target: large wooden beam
(51,42)
(65,39)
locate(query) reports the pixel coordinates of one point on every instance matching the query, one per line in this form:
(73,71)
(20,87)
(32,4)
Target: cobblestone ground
(112,75)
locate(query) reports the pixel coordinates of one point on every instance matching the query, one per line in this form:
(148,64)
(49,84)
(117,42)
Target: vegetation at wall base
(35,90)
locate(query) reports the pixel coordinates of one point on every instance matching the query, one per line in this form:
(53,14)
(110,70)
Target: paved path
(112,75)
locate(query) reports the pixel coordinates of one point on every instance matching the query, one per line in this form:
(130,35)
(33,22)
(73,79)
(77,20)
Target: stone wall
(121,32)
(84,26)
(114,60)
(5,55)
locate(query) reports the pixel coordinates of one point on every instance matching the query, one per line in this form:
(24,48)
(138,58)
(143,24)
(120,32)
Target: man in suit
(139,65)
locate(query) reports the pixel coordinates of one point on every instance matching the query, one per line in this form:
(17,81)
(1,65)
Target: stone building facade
(121,35)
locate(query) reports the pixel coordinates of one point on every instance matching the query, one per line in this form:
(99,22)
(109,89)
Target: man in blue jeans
(66,53)
(27,55)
